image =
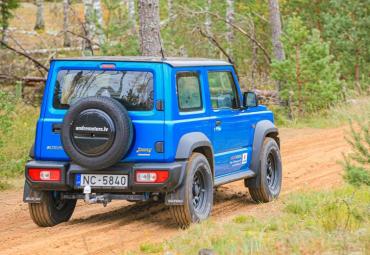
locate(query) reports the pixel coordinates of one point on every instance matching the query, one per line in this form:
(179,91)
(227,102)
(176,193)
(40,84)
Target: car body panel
(232,142)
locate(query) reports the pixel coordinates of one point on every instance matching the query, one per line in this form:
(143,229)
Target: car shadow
(226,201)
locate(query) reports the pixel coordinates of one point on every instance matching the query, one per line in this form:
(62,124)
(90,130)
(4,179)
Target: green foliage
(17,129)
(150,248)
(6,109)
(357,163)
(347,28)
(6,12)
(310,223)
(309,74)
(117,21)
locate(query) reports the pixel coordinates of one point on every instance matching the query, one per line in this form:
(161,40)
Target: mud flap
(176,197)
(30,195)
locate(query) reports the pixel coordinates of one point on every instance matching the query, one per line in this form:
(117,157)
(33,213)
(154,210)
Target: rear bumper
(69,171)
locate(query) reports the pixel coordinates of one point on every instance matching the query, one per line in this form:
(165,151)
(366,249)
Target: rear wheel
(52,209)
(267,185)
(198,199)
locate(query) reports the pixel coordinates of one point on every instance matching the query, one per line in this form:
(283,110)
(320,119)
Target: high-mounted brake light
(44,174)
(108,66)
(151,176)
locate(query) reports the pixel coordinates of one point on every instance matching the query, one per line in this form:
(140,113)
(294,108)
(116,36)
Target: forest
(302,56)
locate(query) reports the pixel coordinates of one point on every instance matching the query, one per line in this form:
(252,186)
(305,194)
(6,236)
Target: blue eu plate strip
(78,179)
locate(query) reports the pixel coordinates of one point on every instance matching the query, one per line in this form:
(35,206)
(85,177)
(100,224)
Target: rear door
(230,126)
(138,86)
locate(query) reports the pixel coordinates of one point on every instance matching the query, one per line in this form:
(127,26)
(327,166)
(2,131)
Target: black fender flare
(263,129)
(187,144)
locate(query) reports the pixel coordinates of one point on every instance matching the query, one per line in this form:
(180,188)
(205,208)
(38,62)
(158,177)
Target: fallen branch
(218,45)
(24,54)
(241,30)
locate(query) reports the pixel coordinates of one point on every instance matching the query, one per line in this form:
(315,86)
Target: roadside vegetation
(17,129)
(335,221)
(332,222)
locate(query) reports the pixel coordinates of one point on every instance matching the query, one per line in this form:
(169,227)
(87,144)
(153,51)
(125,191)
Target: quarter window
(188,91)
(223,90)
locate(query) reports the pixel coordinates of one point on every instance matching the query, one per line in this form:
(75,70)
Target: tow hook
(93,198)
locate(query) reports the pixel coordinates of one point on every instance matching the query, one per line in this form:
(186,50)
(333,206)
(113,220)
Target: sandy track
(310,161)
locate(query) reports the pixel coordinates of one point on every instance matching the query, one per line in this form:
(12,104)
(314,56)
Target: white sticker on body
(244,158)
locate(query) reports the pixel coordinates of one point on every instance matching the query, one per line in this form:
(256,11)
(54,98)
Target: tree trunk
(275,23)
(131,12)
(357,71)
(67,35)
(89,26)
(150,37)
(299,81)
(170,9)
(4,21)
(99,22)
(40,23)
(276,30)
(208,22)
(230,19)
(254,56)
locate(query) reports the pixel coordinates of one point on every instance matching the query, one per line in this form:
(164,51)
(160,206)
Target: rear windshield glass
(133,89)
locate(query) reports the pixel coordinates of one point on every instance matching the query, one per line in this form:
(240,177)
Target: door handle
(218,123)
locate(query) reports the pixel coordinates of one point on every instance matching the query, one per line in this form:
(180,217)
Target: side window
(223,90)
(188,91)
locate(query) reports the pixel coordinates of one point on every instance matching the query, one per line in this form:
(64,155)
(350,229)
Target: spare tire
(96,132)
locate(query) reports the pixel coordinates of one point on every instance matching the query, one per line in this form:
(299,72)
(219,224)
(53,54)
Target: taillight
(44,174)
(151,176)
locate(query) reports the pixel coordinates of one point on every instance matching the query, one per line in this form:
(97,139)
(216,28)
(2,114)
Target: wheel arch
(195,142)
(264,128)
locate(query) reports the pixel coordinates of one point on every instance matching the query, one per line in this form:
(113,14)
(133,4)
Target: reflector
(151,176)
(44,174)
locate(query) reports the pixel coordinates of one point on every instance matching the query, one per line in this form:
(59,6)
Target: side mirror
(250,99)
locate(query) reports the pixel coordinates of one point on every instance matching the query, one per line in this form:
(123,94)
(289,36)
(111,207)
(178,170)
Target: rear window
(133,89)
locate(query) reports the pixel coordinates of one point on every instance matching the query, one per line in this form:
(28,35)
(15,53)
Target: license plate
(101,180)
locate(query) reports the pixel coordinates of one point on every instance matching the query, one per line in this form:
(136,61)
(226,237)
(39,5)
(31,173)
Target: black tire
(198,199)
(104,146)
(51,210)
(267,185)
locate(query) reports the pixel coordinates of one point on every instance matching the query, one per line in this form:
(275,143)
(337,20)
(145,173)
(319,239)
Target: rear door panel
(148,125)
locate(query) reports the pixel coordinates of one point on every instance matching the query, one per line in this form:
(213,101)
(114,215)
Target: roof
(172,61)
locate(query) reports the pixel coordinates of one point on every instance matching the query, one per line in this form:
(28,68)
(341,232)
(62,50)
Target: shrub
(17,128)
(357,163)
(310,77)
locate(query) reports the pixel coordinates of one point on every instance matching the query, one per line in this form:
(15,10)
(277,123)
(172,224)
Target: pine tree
(150,37)
(310,74)
(6,12)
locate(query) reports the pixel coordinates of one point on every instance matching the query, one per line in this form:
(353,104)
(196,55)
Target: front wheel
(52,209)
(198,199)
(267,185)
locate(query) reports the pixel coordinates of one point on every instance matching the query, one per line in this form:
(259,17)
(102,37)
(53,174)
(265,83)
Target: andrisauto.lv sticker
(239,159)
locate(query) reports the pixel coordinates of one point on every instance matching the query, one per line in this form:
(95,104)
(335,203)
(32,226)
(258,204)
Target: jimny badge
(143,151)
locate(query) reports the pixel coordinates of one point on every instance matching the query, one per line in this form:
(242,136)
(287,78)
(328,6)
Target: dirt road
(309,159)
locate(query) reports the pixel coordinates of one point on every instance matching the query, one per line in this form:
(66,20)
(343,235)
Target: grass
(16,142)
(335,116)
(332,222)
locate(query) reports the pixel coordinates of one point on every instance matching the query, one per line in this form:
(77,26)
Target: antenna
(160,43)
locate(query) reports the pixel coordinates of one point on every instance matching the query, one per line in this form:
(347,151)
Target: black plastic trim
(176,170)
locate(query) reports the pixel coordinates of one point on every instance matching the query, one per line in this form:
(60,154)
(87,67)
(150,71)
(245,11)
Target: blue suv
(140,128)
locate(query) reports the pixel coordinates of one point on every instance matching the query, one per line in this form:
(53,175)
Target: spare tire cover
(96,132)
